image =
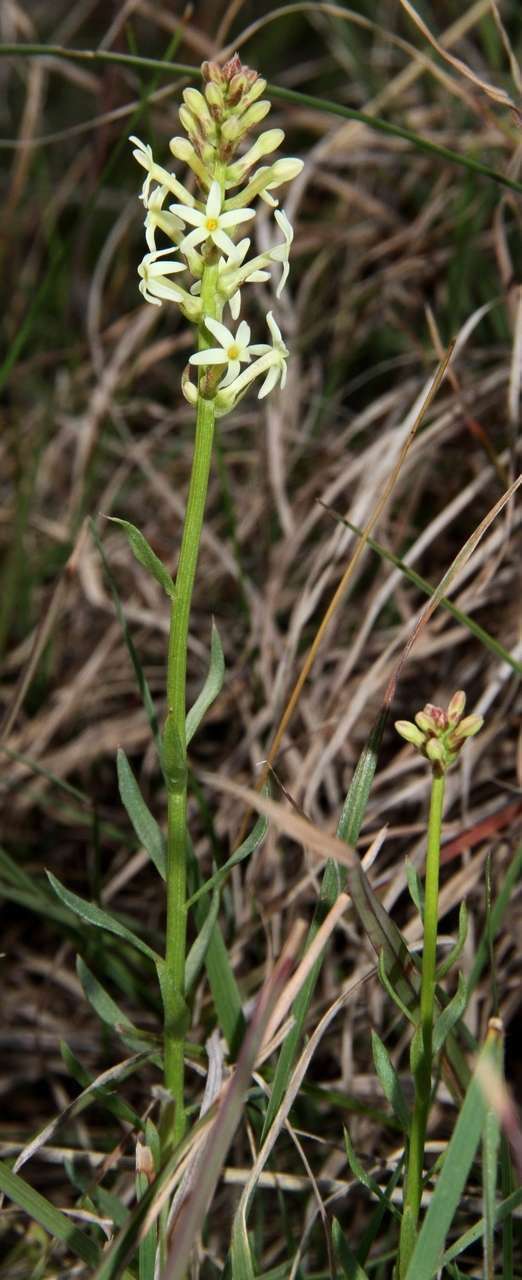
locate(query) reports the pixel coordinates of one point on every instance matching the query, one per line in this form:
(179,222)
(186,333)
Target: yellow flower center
(211,224)
(233,352)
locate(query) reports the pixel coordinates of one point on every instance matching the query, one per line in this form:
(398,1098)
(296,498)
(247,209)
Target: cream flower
(159,219)
(272,361)
(280,252)
(156,287)
(210,223)
(278,353)
(232,351)
(156,173)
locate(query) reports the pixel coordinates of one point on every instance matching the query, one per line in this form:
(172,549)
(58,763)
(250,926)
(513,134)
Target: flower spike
(201,229)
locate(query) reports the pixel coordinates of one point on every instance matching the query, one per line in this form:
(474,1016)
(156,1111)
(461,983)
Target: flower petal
(214,201)
(243,334)
(270,382)
(233,370)
(223,241)
(220,331)
(193,216)
(235,216)
(214,355)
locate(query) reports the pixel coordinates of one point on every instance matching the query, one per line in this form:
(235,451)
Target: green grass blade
(426,1258)
(428,589)
(51,1219)
(350,1267)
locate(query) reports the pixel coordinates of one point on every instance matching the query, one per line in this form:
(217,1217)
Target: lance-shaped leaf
(145,826)
(211,688)
(143,553)
(92,914)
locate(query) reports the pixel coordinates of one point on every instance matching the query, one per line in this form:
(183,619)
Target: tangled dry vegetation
(397,251)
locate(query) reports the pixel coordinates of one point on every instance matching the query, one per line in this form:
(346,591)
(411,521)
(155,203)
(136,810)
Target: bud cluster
(440,735)
(201,229)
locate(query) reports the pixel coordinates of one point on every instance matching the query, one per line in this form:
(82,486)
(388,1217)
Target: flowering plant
(203,269)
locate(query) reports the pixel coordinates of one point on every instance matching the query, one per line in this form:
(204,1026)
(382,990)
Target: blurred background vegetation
(397,251)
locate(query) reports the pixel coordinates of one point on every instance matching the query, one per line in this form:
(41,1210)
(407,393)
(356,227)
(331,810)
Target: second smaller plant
(439,735)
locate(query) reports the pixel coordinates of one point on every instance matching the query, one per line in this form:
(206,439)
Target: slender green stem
(422,1047)
(175,1010)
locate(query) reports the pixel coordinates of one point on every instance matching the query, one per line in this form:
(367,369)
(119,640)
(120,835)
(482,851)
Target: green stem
(175,751)
(422,1048)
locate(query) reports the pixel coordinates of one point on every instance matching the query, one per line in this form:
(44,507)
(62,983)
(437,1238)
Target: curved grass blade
(51,1219)
(423,585)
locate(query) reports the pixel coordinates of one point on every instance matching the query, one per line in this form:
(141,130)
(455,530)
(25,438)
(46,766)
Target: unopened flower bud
(410,733)
(466,729)
(456,707)
(195,102)
(435,751)
(254,115)
(214,96)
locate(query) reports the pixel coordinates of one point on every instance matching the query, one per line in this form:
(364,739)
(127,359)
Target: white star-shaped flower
(154,284)
(280,253)
(158,218)
(232,351)
(210,222)
(279,352)
(156,173)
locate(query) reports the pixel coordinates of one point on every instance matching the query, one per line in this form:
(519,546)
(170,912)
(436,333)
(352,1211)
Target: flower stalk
(439,735)
(201,228)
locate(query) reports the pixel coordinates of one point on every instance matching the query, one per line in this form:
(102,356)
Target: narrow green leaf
(503,1215)
(426,1259)
(249,846)
(211,688)
(145,826)
(223,985)
(51,1219)
(414,885)
(103,1004)
(241,1260)
(141,681)
(94,915)
(450,1015)
(144,554)
(454,952)
(365,1178)
(92,1091)
(199,948)
(490,1163)
(350,1267)
(390,1083)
